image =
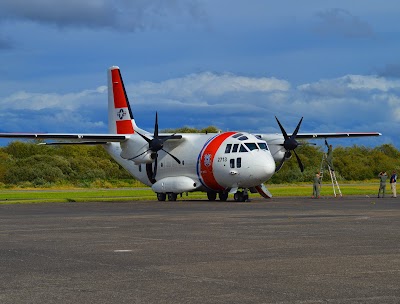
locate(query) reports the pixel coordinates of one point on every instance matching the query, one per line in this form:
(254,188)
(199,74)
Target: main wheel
(223,196)
(172,197)
(212,196)
(161,197)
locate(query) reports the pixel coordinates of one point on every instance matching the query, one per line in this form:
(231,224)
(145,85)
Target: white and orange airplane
(172,164)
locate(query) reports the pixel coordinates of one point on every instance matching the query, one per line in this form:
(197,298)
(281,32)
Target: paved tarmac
(285,250)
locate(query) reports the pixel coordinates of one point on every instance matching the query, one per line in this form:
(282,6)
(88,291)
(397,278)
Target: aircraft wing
(73,138)
(335,135)
(69,138)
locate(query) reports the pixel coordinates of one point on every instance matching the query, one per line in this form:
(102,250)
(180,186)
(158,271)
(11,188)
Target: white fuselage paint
(205,160)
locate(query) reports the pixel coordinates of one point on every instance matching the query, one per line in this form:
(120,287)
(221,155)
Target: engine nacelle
(137,150)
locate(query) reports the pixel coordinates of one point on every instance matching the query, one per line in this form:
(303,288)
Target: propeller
(290,144)
(156,144)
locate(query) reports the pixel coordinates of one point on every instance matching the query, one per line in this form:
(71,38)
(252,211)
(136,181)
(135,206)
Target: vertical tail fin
(120,117)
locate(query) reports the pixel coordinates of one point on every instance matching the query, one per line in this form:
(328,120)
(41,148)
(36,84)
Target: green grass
(326,189)
(130,194)
(80,195)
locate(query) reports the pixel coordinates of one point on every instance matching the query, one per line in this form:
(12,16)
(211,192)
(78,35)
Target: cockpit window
(242,149)
(251,146)
(237,135)
(243,137)
(263,146)
(228,148)
(235,148)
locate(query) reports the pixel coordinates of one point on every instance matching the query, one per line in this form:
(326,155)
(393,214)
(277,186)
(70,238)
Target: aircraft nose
(269,166)
(265,168)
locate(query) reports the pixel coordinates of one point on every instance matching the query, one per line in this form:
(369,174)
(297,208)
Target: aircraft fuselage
(209,162)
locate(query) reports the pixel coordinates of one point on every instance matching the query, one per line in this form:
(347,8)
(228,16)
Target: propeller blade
(297,129)
(167,138)
(144,137)
(290,144)
(299,161)
(156,127)
(288,154)
(139,154)
(282,129)
(155,168)
(176,159)
(280,165)
(156,144)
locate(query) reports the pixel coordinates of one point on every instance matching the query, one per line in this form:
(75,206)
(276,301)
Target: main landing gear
(212,196)
(240,196)
(163,196)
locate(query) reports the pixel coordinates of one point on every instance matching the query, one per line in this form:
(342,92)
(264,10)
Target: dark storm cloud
(341,22)
(124,15)
(390,70)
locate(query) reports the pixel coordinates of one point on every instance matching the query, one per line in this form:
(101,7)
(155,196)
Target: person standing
(393,180)
(316,185)
(382,184)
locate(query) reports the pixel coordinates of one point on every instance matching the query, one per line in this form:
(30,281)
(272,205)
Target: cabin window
(235,148)
(243,138)
(232,162)
(228,148)
(237,135)
(239,162)
(140,168)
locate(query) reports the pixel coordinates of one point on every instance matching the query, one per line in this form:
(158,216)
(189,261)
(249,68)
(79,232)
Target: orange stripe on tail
(120,115)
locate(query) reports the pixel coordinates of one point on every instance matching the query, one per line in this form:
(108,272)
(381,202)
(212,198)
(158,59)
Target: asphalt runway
(286,250)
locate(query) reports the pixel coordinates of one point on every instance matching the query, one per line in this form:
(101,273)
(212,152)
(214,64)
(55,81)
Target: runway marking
(123,250)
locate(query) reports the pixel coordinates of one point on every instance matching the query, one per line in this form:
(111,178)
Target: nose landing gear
(241,196)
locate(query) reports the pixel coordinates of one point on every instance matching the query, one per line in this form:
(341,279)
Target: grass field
(130,194)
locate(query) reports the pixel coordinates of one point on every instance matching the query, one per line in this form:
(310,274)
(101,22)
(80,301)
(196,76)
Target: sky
(231,64)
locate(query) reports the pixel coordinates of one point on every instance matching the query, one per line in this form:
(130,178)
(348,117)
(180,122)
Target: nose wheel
(241,196)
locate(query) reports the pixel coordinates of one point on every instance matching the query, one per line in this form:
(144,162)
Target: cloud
(341,22)
(211,85)
(38,101)
(116,14)
(230,102)
(349,84)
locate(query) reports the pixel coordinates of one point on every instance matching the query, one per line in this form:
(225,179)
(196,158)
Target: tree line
(354,163)
(31,165)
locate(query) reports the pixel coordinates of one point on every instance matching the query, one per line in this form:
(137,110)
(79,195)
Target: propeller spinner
(156,144)
(290,144)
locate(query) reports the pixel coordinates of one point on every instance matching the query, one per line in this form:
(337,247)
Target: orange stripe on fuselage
(207,159)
